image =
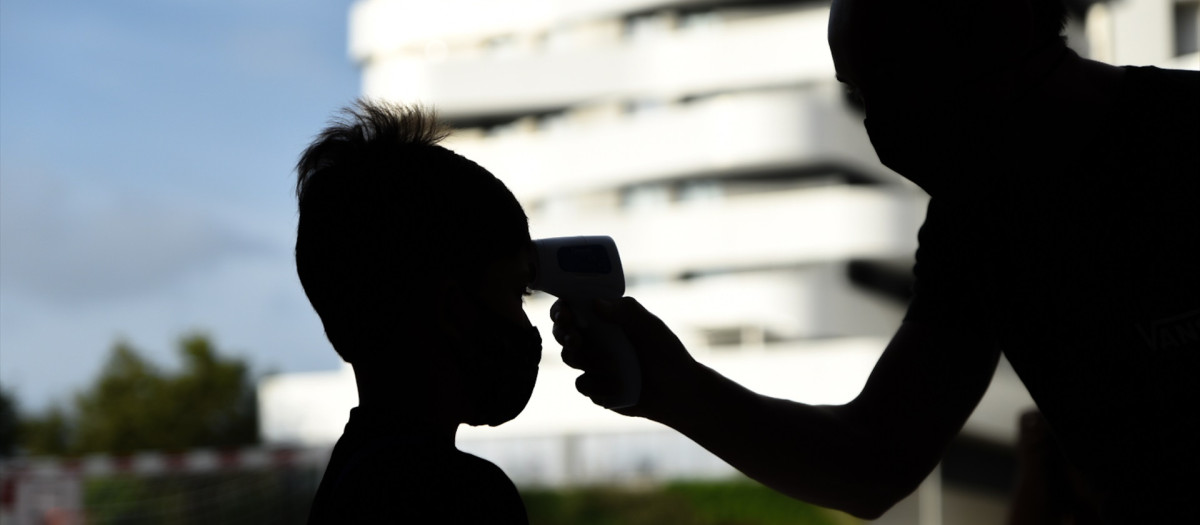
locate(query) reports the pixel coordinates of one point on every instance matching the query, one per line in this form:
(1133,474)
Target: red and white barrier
(31,489)
(157,463)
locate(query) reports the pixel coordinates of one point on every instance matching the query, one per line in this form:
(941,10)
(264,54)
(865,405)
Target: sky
(146,176)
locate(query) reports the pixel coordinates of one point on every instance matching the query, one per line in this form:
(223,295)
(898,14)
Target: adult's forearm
(818,454)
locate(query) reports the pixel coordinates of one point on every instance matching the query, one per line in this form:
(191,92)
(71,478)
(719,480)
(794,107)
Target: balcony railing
(785,49)
(762,230)
(720,136)
(380,27)
(761,309)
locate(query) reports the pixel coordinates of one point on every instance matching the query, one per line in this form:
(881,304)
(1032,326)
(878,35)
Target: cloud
(67,242)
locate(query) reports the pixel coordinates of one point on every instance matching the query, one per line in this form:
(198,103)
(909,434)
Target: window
(1186,20)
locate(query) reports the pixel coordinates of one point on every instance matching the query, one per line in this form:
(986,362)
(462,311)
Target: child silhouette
(416,260)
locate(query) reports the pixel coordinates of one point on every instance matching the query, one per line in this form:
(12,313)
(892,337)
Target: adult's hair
(1049,21)
(969,26)
(387,216)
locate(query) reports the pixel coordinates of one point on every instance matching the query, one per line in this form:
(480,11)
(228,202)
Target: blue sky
(146,153)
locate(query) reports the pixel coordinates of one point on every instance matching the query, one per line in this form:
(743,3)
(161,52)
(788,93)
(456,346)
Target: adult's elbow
(871,508)
(882,492)
(863,502)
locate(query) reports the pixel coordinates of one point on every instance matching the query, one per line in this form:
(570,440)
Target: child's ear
(454,314)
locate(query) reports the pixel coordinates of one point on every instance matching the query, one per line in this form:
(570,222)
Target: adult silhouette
(1063,230)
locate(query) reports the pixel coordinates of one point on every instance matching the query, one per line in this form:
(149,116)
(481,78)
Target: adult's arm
(861,457)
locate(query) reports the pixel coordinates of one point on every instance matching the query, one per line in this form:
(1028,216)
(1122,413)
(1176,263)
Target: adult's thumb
(621,311)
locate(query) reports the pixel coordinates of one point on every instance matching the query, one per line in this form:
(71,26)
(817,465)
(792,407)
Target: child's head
(407,249)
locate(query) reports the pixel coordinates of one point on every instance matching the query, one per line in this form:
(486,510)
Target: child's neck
(435,413)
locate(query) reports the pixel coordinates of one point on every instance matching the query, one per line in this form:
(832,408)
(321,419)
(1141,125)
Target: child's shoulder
(448,471)
(481,470)
(455,486)
(478,490)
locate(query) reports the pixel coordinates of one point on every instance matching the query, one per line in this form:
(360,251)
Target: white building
(710,139)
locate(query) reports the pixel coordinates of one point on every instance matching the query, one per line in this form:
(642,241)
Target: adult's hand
(861,457)
(667,370)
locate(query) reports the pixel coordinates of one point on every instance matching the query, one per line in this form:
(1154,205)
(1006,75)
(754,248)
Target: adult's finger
(586,384)
(564,333)
(574,356)
(597,387)
(560,310)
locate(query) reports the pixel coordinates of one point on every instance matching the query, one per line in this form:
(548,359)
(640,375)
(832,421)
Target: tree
(40,435)
(45,435)
(135,405)
(8,424)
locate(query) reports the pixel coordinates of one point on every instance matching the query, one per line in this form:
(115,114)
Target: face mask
(919,153)
(903,152)
(500,367)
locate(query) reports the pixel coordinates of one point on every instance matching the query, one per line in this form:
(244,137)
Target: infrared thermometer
(579,270)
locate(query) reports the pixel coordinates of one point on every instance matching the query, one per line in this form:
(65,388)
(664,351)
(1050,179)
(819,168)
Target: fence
(276,484)
(260,485)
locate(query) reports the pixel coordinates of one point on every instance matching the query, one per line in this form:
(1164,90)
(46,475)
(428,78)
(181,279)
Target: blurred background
(159,362)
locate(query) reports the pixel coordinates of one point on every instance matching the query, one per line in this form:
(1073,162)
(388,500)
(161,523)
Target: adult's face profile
(926,68)
(925,52)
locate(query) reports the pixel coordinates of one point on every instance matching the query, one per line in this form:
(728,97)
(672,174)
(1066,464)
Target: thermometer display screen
(588,258)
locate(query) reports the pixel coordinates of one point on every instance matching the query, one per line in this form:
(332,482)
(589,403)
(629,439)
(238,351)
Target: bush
(731,502)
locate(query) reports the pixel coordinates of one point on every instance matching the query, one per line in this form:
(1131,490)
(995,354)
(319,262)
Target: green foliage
(747,502)
(115,499)
(737,502)
(46,435)
(606,506)
(134,405)
(8,424)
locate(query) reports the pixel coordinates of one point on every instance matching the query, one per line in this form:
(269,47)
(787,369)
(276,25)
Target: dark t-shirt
(378,473)
(1078,252)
